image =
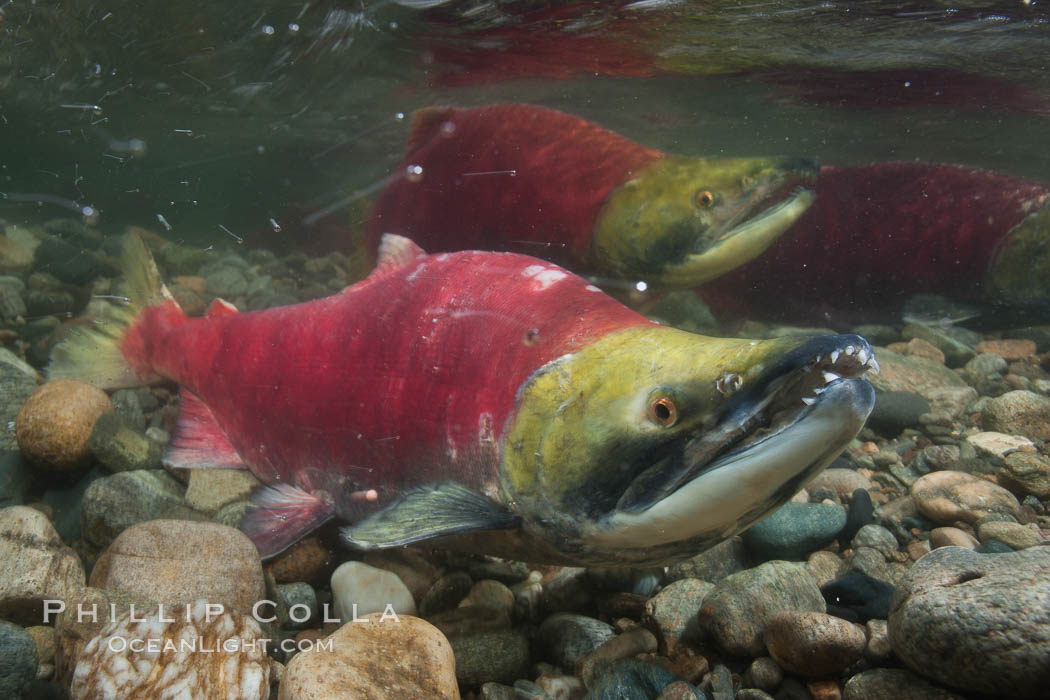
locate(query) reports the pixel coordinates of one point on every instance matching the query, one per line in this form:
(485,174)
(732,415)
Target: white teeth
(830,377)
(873,365)
(808,400)
(819,390)
(817,360)
(862,357)
(850,350)
(834,356)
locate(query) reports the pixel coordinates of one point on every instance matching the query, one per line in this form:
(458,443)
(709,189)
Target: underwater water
(782,176)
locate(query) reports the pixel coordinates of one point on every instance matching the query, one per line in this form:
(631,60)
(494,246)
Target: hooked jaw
(767,443)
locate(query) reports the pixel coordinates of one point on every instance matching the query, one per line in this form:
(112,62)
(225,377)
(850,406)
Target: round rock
(738,609)
(178,561)
(37,566)
(893,684)
(970,620)
(671,613)
(359,589)
(567,637)
(1018,413)
(18,659)
(1026,473)
(794,530)
(501,656)
(55,423)
(813,644)
(948,496)
(114,503)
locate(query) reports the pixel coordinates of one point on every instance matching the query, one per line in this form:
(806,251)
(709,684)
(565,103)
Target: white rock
(998,444)
(359,589)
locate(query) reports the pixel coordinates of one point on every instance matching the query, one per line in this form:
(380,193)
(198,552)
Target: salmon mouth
(763,216)
(764,444)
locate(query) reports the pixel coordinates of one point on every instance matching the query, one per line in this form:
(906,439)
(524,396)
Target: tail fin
(94,352)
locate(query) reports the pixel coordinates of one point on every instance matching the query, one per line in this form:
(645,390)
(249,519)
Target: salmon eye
(662,411)
(705,198)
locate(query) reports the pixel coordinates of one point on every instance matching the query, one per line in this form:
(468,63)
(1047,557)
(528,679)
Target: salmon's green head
(1019,274)
(682,221)
(652,444)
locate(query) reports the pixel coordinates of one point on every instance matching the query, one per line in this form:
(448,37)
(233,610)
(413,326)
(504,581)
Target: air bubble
(268,30)
(414,173)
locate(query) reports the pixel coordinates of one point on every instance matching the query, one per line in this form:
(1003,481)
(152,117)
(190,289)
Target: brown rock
(44,639)
(632,642)
(307,560)
(1007,349)
(823,566)
(1014,535)
(179,561)
(194,283)
(37,566)
(55,423)
(948,496)
(1026,473)
(813,644)
(998,445)
(825,690)
(842,481)
(918,347)
(952,537)
(84,616)
(376,659)
(211,489)
(1018,413)
(203,653)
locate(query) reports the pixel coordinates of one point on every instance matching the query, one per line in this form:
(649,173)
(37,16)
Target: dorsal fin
(426,125)
(220,307)
(396,251)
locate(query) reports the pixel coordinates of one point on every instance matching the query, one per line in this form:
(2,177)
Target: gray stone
(120,448)
(984,365)
(37,565)
(17,382)
(938,457)
(722,560)
(739,607)
(506,572)
(114,503)
(977,622)
(893,684)
(126,402)
(491,657)
(227,282)
(764,674)
(1026,473)
(14,478)
(445,593)
(299,607)
(794,530)
(876,537)
(1018,413)
(11,304)
(566,591)
(896,410)
(910,373)
(868,561)
(66,504)
(633,678)
(671,613)
(490,594)
(566,638)
(18,659)
(951,400)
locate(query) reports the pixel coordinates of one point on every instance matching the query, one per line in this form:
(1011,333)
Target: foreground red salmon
(486,401)
(880,233)
(534,180)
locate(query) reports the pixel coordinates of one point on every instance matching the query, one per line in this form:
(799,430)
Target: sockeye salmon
(880,233)
(533,180)
(486,401)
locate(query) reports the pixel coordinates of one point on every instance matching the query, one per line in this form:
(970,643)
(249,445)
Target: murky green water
(218,123)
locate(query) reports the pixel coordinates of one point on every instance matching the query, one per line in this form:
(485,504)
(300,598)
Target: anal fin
(281,515)
(426,512)
(200,442)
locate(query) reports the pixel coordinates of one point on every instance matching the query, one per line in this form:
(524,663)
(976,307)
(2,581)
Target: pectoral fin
(431,511)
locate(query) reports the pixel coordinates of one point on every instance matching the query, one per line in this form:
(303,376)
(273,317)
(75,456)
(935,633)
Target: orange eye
(705,198)
(662,411)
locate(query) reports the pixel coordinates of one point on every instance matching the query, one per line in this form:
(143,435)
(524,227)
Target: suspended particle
(641,286)
(399,116)
(164,222)
(414,173)
(293,27)
(90,214)
(274,225)
(267,30)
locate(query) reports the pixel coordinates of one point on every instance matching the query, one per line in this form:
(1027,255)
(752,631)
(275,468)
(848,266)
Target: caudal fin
(94,352)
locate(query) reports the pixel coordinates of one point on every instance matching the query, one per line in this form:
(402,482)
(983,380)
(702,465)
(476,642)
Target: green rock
(18,659)
(120,448)
(114,503)
(794,530)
